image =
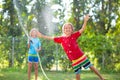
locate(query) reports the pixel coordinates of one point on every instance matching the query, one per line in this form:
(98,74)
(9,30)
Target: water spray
(26,33)
(19,18)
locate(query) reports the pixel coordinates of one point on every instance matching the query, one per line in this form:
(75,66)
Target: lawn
(86,75)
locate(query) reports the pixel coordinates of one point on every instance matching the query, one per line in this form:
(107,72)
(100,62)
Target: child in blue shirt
(34,46)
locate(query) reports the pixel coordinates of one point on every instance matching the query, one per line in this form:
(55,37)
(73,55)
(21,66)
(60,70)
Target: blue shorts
(33,58)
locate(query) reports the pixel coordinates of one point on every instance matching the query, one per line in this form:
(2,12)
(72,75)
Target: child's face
(68,29)
(34,34)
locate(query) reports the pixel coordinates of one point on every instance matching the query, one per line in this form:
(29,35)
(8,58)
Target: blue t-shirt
(34,44)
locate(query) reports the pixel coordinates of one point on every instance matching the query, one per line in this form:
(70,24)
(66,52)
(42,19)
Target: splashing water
(20,17)
(47,15)
(48,19)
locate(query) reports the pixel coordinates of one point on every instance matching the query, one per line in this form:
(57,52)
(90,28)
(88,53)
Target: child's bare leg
(77,76)
(29,70)
(96,71)
(36,70)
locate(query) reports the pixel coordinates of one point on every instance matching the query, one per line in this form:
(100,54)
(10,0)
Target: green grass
(86,75)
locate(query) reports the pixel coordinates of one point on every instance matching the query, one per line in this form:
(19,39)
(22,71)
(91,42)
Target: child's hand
(38,50)
(87,17)
(29,40)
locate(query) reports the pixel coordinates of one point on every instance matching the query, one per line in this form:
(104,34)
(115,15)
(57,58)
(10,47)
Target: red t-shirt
(70,45)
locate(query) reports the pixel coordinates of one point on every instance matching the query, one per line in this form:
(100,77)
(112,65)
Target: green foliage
(6,52)
(101,50)
(47,53)
(100,41)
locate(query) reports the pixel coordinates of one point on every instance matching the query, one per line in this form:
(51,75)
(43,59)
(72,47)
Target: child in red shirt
(69,43)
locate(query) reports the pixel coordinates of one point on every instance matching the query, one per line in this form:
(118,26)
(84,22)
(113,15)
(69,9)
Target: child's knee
(78,71)
(36,66)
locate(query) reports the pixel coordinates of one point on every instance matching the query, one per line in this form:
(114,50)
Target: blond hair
(33,29)
(67,24)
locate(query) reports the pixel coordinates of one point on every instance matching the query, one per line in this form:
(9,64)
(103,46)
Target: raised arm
(44,36)
(86,18)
